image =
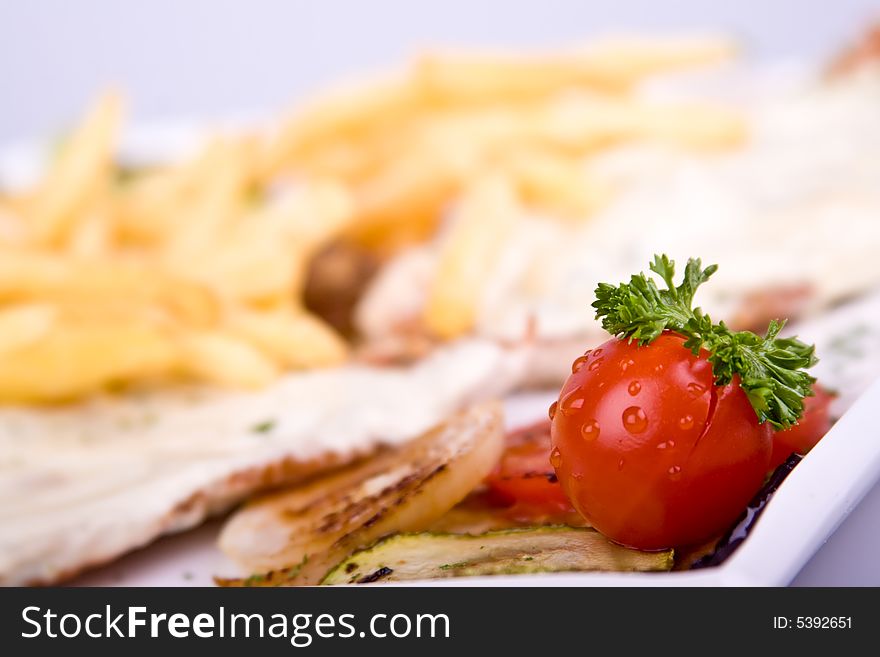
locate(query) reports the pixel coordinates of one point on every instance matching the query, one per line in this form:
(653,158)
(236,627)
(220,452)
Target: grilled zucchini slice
(509,552)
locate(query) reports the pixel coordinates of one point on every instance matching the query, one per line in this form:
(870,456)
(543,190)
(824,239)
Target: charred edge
(382,573)
(294,513)
(405,485)
(350,567)
(739,532)
(336,519)
(428,477)
(375,518)
(420,479)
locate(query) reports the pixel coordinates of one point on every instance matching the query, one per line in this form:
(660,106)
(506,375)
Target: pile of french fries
(195,270)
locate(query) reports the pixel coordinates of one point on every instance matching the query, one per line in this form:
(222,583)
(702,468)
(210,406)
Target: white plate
(807,508)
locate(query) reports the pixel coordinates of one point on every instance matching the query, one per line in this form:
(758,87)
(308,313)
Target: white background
(207,58)
(204,57)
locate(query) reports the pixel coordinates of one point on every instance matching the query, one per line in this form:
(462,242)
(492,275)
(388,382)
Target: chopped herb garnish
(274,577)
(451,566)
(257,578)
(263,427)
(293,571)
(770,368)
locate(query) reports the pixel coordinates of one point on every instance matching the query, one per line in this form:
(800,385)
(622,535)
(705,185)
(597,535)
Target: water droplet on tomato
(571,402)
(666,444)
(695,390)
(597,352)
(635,420)
(634,388)
(577,475)
(626,363)
(595,364)
(555,458)
(674,471)
(578,364)
(552,410)
(620,464)
(587,352)
(686,422)
(590,430)
(658,367)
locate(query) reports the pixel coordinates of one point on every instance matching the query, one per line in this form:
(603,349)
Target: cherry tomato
(649,450)
(524,477)
(803,436)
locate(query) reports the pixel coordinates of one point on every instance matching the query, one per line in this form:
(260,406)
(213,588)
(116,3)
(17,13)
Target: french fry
(285,233)
(614,66)
(24,324)
(468,80)
(79,175)
(578,124)
(151,210)
(118,310)
(13,206)
(148,209)
(313,214)
(404,202)
(294,338)
(403,172)
(92,236)
(34,276)
(12,228)
(487,212)
(76,359)
(223,359)
(355,161)
(202,265)
(630,60)
(347,113)
(239,270)
(584,123)
(222,176)
(555,183)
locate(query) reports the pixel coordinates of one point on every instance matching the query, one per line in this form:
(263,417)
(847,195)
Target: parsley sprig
(770,368)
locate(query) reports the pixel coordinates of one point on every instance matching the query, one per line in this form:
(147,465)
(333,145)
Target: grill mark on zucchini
(382,573)
(427,555)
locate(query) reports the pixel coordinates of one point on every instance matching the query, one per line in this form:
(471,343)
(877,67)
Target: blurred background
(213,57)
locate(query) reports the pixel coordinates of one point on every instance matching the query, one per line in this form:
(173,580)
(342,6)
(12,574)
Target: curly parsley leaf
(770,368)
(641,311)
